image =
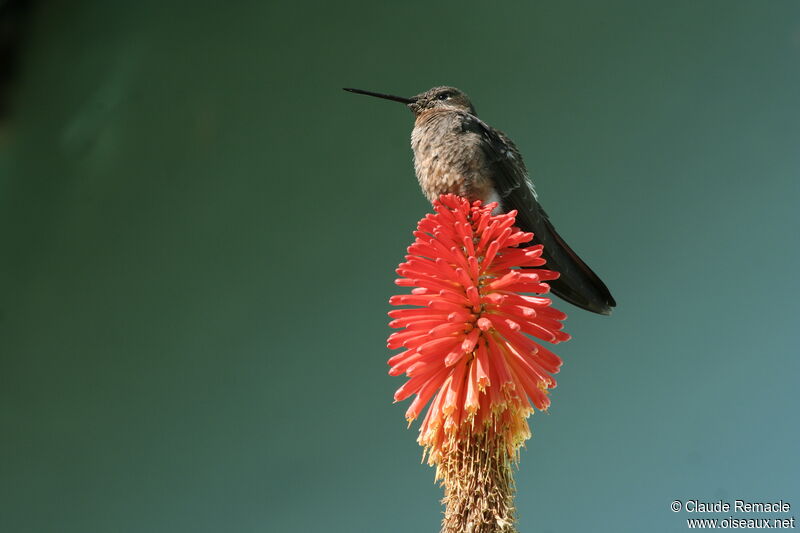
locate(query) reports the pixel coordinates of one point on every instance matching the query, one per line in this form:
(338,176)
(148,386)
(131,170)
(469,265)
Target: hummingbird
(455,152)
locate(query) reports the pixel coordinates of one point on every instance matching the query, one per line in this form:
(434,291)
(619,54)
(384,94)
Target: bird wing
(578,284)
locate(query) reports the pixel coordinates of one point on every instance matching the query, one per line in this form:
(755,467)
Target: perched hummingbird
(456,152)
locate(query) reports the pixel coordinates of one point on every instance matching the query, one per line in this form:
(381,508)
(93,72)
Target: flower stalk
(479,486)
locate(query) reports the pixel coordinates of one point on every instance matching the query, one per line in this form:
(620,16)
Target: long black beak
(384,96)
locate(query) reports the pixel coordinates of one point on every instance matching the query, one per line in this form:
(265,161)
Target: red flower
(467,341)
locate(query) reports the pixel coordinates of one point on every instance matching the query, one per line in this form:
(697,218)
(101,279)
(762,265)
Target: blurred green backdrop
(199,231)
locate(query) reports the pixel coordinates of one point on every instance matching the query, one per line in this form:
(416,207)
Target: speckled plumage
(448,157)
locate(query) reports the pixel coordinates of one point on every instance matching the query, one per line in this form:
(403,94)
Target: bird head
(444,98)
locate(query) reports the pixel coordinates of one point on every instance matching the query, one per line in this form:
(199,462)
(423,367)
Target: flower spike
(467,340)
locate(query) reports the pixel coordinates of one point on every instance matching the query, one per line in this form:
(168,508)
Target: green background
(199,231)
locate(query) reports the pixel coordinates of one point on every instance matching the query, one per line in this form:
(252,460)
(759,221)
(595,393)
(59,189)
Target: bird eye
(443,96)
